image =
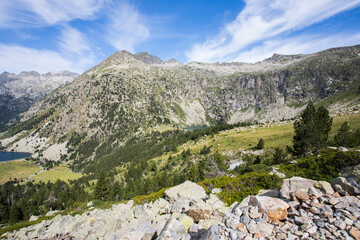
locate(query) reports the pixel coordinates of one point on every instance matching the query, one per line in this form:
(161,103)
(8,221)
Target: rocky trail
(302,209)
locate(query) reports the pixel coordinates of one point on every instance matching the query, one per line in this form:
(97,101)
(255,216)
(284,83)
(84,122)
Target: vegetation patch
(138,200)
(324,167)
(235,189)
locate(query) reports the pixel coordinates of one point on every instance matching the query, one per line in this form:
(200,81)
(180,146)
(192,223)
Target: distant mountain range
(130,95)
(19,92)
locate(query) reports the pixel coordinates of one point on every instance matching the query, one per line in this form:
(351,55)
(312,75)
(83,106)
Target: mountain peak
(279,57)
(147,58)
(124,57)
(29,73)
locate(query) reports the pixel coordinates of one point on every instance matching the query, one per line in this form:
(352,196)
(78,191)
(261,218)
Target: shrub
(323,167)
(279,156)
(236,189)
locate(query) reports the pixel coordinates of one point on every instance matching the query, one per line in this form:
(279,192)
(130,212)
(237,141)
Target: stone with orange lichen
(275,208)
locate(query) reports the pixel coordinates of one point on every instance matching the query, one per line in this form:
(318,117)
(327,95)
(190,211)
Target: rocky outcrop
(315,211)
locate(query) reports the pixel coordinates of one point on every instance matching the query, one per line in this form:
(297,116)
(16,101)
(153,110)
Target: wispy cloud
(74,54)
(15,59)
(126,27)
(72,41)
(19,13)
(123,27)
(75,47)
(261,21)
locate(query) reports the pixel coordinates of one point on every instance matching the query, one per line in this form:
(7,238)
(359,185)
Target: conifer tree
(311,130)
(101,188)
(261,144)
(15,214)
(343,136)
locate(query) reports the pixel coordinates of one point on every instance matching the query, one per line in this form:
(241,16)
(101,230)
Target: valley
(134,126)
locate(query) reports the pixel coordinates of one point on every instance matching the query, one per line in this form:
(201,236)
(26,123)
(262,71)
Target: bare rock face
(275,208)
(295,183)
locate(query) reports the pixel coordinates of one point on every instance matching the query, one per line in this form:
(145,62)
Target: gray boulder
(33,218)
(196,231)
(173,229)
(349,185)
(213,233)
(187,190)
(295,183)
(137,229)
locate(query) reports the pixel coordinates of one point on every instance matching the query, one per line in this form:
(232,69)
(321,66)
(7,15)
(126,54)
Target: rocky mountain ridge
(302,209)
(33,84)
(19,91)
(130,94)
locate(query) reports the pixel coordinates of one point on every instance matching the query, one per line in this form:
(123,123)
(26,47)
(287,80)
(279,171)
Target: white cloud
(72,41)
(64,10)
(15,13)
(126,27)
(16,59)
(260,21)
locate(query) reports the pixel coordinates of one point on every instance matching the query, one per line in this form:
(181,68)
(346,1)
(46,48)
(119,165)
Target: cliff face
(129,94)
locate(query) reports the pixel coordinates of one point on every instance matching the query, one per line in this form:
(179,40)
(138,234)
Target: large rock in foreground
(275,208)
(187,190)
(294,184)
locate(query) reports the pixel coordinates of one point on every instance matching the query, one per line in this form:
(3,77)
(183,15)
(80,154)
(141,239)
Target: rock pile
(304,209)
(307,210)
(185,213)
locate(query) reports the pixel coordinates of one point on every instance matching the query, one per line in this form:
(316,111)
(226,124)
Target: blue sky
(75,35)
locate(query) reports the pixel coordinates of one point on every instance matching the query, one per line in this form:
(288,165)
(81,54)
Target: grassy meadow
(61,172)
(19,169)
(242,138)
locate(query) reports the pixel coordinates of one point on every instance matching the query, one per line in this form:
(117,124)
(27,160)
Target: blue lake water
(8,156)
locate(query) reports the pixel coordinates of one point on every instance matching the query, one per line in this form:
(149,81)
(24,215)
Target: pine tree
(101,188)
(323,123)
(343,136)
(15,214)
(311,130)
(261,144)
(355,139)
